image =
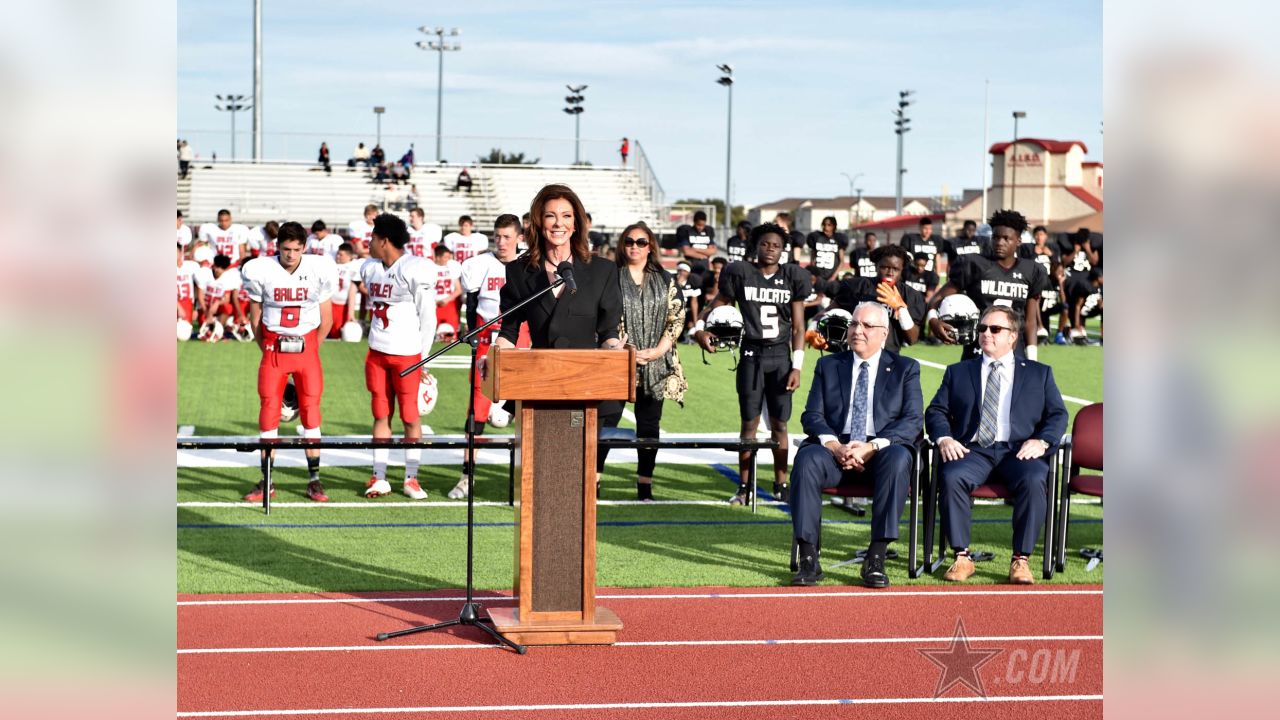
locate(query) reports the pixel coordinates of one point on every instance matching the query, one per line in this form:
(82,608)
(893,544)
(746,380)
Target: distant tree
(497,157)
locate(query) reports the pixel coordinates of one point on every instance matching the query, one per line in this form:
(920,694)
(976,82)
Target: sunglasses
(993,329)
(636,242)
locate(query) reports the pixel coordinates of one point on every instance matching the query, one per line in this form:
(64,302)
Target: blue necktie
(858,421)
(990,408)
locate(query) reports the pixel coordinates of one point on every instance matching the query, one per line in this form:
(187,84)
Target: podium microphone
(565,271)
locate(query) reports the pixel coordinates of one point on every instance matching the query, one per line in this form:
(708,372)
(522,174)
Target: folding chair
(993,489)
(864,487)
(1082,449)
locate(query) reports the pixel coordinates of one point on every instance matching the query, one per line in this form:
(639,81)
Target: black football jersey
(1029,252)
(846,294)
(922,282)
(860,261)
(987,284)
(958,247)
(737,249)
(824,253)
(688,236)
(1078,286)
(915,244)
(765,302)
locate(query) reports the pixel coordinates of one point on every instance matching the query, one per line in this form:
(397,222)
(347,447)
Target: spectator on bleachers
(411,197)
(399,173)
(407,158)
(624,150)
(323,158)
(377,156)
(359,155)
(464,181)
(184,159)
(382,175)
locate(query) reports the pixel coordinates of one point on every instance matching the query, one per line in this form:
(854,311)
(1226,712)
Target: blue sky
(816,83)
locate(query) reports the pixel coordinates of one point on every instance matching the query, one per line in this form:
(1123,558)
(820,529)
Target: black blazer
(1035,409)
(574,320)
(898,412)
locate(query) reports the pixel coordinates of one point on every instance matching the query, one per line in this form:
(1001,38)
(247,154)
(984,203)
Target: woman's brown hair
(651,263)
(577,241)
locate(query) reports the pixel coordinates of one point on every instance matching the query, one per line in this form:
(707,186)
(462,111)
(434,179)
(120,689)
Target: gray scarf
(644,317)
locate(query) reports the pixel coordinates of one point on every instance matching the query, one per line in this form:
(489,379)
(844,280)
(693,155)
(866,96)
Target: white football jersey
(327,246)
(348,273)
(446,277)
(225,242)
(290,301)
(485,274)
(203,256)
(465,247)
(216,288)
(187,280)
(260,243)
(402,304)
(184,235)
(360,233)
(423,241)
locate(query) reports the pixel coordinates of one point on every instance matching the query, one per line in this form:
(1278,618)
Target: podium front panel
(558,442)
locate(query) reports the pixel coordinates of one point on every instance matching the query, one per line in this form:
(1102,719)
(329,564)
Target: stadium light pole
(573,106)
(851,180)
(900,128)
(1013,182)
(726,79)
(232,104)
(857,209)
(377,112)
(439,46)
(257,80)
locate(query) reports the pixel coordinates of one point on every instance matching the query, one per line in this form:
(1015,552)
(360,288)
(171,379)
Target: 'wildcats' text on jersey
(290,301)
(403,304)
(824,253)
(915,244)
(987,284)
(484,274)
(765,302)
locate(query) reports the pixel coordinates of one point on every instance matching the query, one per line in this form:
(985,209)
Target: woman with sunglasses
(652,320)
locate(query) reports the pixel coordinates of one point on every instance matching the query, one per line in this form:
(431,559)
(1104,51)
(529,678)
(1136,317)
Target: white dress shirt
(1006,394)
(873,367)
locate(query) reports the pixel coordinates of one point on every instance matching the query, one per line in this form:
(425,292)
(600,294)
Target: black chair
(1082,449)
(994,489)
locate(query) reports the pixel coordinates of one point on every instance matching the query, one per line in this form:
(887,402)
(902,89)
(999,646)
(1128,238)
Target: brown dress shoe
(960,570)
(1020,572)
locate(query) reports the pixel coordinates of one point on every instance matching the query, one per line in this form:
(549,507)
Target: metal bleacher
(257,192)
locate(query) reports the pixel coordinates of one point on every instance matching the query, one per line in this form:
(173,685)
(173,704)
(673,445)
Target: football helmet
(446,333)
(833,326)
(498,416)
(351,331)
(211,331)
(243,333)
(428,393)
(725,325)
(959,311)
(184,331)
(289,404)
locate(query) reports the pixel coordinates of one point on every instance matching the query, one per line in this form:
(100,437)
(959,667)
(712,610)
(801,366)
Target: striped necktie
(990,408)
(858,418)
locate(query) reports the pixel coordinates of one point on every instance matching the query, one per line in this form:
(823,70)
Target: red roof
(1086,197)
(1053,146)
(898,221)
(1090,163)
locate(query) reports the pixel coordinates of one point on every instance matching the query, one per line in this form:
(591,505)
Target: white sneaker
(413,489)
(459,491)
(377,488)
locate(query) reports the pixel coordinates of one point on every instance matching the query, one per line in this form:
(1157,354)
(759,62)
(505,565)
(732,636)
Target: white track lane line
(665,596)
(657,643)
(646,706)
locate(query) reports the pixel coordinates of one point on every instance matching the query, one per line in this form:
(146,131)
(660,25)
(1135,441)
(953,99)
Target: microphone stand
(470,614)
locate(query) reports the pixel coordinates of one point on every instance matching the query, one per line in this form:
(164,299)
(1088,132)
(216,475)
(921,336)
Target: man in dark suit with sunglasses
(996,414)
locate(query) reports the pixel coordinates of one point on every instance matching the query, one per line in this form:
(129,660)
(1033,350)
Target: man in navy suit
(996,413)
(865,411)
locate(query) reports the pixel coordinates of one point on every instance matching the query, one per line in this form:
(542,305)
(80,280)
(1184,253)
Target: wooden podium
(555,559)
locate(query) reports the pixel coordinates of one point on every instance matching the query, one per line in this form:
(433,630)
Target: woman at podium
(581,314)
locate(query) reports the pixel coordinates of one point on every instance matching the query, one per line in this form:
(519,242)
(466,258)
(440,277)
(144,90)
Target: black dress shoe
(873,575)
(810,572)
(782,492)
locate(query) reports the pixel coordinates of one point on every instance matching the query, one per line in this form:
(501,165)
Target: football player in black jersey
(770,295)
(691,296)
(826,246)
(967,242)
(919,278)
(1042,250)
(1004,280)
(922,243)
(860,259)
(697,242)
(906,306)
(1082,295)
(1051,305)
(737,245)
(793,240)
(1083,255)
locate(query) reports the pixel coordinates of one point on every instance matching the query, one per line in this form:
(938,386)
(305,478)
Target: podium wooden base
(604,631)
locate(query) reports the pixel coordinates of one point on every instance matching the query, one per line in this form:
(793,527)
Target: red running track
(731,653)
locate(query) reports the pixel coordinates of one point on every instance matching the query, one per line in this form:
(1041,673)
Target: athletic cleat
(413,489)
(256,495)
(781,492)
(376,488)
(742,497)
(1059,339)
(315,491)
(459,491)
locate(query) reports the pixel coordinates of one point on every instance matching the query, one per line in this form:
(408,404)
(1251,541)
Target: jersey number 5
(289,316)
(769,321)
